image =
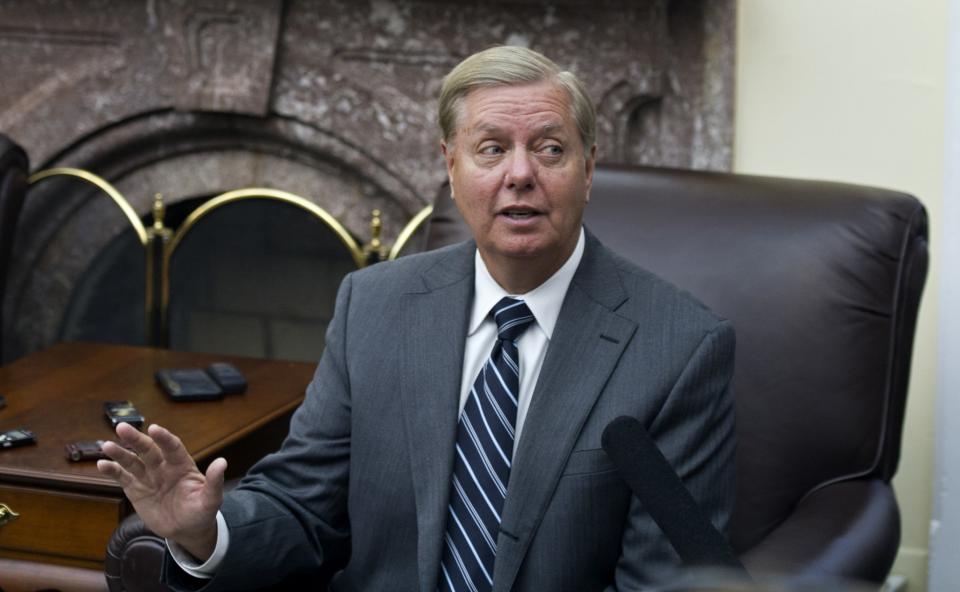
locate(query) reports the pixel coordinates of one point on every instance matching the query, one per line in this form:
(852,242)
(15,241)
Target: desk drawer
(57,524)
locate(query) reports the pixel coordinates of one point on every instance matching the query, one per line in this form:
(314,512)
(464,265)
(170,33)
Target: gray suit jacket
(366,468)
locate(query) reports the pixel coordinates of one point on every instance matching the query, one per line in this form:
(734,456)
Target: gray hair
(509,65)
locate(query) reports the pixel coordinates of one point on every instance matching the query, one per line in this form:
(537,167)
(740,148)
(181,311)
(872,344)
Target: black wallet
(195,384)
(228,377)
(188,384)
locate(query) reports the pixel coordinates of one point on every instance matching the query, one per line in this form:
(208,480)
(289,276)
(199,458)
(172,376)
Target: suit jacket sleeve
(695,431)
(291,508)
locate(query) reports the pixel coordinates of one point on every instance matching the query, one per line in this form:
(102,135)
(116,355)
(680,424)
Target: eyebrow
(549,127)
(489,127)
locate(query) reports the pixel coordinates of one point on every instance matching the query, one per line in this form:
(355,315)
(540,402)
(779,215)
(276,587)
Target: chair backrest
(822,282)
(14,167)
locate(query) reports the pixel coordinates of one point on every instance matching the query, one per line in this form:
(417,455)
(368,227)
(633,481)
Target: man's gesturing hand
(168,491)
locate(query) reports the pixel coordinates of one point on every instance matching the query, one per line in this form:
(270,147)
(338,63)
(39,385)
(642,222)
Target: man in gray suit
(442,447)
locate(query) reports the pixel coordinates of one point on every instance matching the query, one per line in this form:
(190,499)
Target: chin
(525,251)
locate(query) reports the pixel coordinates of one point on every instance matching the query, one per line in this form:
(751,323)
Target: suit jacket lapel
(434,325)
(588,331)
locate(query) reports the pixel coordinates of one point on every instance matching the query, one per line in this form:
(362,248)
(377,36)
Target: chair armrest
(134,558)
(848,530)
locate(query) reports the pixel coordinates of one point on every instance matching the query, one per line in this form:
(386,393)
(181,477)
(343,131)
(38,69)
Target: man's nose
(520,174)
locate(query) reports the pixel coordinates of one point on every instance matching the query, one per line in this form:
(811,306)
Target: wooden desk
(67,510)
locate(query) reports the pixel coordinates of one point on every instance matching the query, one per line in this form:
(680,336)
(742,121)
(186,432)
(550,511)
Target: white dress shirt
(544,302)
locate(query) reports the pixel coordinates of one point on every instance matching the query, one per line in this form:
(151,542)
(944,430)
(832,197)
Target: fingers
(154,447)
(108,468)
(169,445)
(125,458)
(140,443)
(113,470)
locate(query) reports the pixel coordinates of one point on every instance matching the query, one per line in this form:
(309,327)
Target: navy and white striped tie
(485,435)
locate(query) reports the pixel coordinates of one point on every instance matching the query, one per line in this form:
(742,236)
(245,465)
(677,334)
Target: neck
(519,281)
(522,275)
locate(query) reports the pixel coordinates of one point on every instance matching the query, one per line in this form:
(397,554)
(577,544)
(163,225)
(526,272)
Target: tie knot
(512,317)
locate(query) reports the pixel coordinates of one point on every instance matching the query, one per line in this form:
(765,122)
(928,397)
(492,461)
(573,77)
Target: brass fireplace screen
(161,246)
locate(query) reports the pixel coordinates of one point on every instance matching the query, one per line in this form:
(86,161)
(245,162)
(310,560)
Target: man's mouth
(519,212)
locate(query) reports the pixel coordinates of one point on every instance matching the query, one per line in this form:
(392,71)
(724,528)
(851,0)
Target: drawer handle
(7,514)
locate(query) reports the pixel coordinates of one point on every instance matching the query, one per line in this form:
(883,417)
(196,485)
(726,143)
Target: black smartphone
(118,412)
(85,450)
(228,377)
(188,384)
(17,437)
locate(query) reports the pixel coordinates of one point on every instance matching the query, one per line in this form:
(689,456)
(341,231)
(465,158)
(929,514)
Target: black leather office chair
(822,282)
(14,167)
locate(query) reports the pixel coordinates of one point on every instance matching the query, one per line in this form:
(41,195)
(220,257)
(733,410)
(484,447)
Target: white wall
(854,90)
(945,531)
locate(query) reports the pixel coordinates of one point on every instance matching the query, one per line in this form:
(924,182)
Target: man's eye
(553,150)
(491,150)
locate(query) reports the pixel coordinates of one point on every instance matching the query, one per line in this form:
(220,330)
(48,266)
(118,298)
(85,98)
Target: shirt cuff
(208,568)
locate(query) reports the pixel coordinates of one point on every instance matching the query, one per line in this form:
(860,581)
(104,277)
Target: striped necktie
(485,435)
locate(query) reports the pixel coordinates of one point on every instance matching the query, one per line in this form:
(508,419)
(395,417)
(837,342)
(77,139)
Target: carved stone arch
(630,117)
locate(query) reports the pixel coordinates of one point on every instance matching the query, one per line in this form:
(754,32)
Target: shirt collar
(544,301)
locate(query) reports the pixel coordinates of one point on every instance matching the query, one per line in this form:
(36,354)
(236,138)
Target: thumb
(213,488)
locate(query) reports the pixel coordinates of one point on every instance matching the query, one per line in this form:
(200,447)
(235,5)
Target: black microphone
(652,479)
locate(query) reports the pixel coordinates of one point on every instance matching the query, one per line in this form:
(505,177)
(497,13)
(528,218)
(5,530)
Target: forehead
(536,105)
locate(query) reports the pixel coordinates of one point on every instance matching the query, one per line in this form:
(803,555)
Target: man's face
(519,174)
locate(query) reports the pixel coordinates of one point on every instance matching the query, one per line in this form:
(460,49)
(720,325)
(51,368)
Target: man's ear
(448,159)
(590,164)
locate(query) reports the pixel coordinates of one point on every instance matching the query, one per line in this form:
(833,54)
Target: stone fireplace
(331,100)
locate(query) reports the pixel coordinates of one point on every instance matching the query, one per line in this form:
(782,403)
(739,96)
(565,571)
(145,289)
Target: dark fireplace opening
(256,277)
(108,302)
